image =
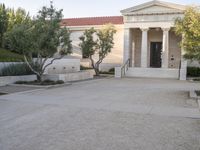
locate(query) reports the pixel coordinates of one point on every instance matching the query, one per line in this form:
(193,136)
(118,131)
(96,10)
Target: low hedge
(8,56)
(16,70)
(45,82)
(193,72)
(111,71)
(85,68)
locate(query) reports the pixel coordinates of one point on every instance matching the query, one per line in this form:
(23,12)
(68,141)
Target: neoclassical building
(145,44)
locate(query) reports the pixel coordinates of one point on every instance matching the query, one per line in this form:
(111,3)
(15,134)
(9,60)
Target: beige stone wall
(116,55)
(174,50)
(75,42)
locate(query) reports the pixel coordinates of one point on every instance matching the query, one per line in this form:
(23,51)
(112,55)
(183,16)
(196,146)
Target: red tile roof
(117,20)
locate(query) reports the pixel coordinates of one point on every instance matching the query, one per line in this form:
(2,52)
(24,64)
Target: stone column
(165,50)
(126,44)
(183,67)
(133,53)
(144,47)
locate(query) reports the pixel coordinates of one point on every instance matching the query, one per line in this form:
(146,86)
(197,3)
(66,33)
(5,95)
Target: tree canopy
(189,28)
(3,22)
(10,18)
(101,46)
(42,38)
(17,17)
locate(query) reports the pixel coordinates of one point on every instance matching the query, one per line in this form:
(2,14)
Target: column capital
(144,29)
(166,29)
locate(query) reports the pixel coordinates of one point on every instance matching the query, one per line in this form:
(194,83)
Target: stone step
(153,73)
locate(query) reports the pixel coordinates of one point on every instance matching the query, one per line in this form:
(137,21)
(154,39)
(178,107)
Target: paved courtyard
(104,114)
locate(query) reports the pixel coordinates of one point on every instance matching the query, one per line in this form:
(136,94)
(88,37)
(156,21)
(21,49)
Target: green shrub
(16,70)
(45,82)
(60,82)
(112,70)
(85,68)
(193,72)
(21,82)
(50,82)
(105,72)
(8,56)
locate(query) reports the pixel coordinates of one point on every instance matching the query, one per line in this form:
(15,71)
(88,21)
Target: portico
(150,42)
(139,48)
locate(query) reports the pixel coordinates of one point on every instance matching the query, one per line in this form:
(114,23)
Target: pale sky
(84,8)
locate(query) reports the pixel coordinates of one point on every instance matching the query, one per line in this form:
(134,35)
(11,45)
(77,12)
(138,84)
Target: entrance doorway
(155,54)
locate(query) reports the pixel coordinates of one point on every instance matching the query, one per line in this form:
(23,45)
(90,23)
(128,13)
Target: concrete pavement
(105,114)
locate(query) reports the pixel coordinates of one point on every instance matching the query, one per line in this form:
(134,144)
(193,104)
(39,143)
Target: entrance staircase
(170,73)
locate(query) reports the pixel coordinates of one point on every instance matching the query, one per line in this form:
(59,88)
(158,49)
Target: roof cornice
(180,8)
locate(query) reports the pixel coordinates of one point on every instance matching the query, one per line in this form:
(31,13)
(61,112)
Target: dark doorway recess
(155,54)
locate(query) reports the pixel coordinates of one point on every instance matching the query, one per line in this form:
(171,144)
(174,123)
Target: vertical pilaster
(126,44)
(144,47)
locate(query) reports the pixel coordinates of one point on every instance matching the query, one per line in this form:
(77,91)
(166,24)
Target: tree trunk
(1,41)
(96,71)
(39,78)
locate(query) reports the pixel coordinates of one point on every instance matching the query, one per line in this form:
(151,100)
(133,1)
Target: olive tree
(189,28)
(101,46)
(40,39)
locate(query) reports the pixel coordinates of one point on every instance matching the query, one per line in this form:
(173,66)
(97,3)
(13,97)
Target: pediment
(154,7)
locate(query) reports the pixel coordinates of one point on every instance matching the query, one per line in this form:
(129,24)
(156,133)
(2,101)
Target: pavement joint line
(41,86)
(24,92)
(149,113)
(92,80)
